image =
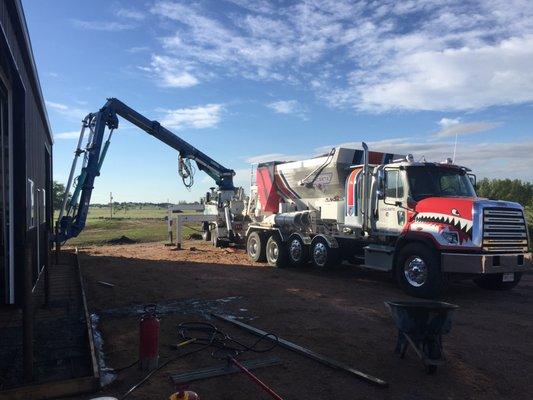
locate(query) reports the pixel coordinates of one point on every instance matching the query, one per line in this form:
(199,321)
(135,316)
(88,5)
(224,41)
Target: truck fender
(266,231)
(304,238)
(330,240)
(411,237)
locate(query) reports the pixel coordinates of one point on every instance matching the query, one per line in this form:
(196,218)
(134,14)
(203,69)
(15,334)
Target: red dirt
(338,313)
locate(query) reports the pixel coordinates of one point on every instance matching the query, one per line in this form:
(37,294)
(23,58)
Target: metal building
(25,162)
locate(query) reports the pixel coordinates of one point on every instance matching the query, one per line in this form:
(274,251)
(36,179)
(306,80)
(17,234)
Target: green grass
(142,225)
(131,213)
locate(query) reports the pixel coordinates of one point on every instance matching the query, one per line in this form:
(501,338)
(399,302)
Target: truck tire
(495,281)
(418,271)
(298,251)
(323,256)
(217,241)
(276,253)
(255,247)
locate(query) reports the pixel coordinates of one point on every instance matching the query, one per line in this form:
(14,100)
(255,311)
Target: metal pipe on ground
(306,352)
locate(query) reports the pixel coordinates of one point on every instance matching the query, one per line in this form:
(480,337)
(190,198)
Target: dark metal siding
(31,133)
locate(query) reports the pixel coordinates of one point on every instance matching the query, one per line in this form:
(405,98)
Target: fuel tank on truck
(317,183)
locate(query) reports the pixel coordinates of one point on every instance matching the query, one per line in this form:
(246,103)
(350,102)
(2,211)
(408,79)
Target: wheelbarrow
(421,325)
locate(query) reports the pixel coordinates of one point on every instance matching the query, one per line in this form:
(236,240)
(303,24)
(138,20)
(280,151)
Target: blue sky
(248,81)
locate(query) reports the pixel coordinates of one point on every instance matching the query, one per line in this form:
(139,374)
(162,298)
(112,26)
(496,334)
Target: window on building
(394,184)
(42,213)
(30,204)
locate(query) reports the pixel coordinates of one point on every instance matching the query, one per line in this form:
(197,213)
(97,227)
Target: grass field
(140,225)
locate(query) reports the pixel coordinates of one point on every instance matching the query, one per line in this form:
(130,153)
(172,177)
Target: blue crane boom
(73,214)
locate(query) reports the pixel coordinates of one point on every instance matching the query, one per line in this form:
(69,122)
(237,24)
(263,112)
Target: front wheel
(496,282)
(418,271)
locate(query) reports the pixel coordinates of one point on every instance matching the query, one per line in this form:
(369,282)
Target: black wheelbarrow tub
(421,318)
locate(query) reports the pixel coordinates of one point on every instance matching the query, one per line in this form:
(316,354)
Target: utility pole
(111,203)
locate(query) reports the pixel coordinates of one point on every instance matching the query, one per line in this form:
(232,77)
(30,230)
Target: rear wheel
(323,256)
(495,281)
(276,253)
(298,251)
(418,271)
(255,247)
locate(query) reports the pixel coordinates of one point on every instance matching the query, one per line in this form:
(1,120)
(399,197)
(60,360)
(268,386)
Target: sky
(249,81)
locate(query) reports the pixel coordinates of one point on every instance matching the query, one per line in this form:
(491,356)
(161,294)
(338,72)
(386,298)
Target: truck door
(390,216)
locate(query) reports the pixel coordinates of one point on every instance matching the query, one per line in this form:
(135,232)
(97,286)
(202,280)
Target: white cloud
(452,127)
(131,14)
(199,117)
(487,159)
(274,157)
(71,113)
(108,26)
(171,72)
(367,55)
(67,135)
(137,49)
(287,107)
(451,79)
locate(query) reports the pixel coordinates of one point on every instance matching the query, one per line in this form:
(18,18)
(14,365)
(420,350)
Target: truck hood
(438,215)
(455,211)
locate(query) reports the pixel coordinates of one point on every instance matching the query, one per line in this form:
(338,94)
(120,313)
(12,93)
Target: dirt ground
(338,313)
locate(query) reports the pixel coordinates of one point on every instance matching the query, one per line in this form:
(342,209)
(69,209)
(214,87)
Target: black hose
(207,336)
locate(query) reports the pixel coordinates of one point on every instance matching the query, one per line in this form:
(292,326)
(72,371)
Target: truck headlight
(451,237)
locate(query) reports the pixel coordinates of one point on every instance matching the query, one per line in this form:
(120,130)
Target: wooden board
(306,352)
(52,390)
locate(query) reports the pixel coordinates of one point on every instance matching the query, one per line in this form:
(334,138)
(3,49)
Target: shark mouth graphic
(461,224)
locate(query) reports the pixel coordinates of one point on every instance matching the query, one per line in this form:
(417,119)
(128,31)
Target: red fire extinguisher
(149,339)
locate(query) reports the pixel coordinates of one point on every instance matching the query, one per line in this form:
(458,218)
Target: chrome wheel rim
(320,254)
(273,251)
(295,250)
(415,271)
(253,247)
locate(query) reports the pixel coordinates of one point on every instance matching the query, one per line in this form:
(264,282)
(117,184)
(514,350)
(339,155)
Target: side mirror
(473,180)
(411,203)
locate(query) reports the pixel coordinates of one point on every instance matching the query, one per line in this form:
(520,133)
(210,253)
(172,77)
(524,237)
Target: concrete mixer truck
(420,221)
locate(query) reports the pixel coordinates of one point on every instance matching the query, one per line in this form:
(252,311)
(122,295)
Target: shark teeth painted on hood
(462,224)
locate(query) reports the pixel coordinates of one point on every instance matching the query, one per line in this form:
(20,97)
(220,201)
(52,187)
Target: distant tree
(58,190)
(506,189)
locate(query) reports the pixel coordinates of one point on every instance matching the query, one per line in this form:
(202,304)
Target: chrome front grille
(504,230)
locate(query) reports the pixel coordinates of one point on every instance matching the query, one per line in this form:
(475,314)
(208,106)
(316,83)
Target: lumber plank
(306,352)
(52,390)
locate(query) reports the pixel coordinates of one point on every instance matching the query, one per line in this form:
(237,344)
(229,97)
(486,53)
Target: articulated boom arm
(73,214)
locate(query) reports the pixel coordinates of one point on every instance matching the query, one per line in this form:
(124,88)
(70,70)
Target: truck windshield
(427,181)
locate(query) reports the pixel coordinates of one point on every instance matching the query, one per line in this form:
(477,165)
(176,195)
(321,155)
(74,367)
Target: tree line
(506,189)
(58,190)
(499,189)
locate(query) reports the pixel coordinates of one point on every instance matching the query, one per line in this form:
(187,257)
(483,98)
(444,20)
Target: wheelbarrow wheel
(418,271)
